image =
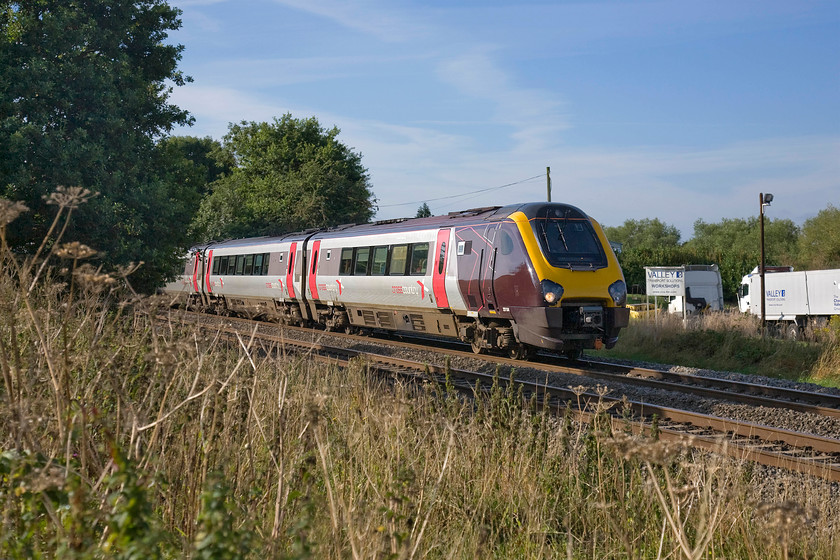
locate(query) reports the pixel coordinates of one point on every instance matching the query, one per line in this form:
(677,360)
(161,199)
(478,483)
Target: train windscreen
(568,239)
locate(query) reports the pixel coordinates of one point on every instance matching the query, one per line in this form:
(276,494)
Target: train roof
(471,216)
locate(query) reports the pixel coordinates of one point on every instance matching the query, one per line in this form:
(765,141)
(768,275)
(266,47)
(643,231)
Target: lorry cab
(744,295)
(744,290)
(703,290)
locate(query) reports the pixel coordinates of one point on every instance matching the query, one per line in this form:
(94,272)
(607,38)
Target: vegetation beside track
(126,439)
(731,342)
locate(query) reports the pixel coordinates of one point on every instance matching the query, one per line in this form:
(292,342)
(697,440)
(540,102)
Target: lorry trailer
(792,299)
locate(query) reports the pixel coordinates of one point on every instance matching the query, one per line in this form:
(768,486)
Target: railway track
(768,445)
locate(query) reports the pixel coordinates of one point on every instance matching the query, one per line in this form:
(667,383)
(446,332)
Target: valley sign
(665,281)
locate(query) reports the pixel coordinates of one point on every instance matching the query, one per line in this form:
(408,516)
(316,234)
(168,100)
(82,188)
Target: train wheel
(519,352)
(477,347)
(573,352)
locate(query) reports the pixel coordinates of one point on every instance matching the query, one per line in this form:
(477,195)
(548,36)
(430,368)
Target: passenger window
(266,261)
(399,256)
(240,264)
(258,262)
(380,260)
(231,266)
(216,261)
(419,258)
(346,266)
(362,259)
(249,265)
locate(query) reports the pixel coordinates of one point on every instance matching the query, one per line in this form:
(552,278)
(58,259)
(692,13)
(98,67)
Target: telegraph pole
(763,200)
(548,182)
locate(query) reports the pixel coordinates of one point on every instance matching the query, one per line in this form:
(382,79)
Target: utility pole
(548,182)
(763,200)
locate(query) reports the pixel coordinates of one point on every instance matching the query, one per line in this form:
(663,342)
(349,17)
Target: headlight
(552,291)
(618,292)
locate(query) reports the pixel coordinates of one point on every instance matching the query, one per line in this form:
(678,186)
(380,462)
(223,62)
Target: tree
(644,234)
(424,211)
(289,175)
(194,163)
(819,244)
(84,89)
(733,244)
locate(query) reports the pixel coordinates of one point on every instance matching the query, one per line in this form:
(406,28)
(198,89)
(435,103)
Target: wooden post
(548,182)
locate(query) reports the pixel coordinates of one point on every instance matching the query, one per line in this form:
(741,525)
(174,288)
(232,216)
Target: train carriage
(511,279)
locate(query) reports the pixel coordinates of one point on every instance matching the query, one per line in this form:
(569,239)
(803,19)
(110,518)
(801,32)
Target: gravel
(777,417)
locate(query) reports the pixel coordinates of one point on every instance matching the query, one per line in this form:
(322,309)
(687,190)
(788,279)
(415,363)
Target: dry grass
(732,341)
(125,438)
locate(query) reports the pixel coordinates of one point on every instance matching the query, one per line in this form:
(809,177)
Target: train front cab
(579,287)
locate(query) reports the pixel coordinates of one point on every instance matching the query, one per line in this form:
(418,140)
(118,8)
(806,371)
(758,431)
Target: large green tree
(193,164)
(734,245)
(290,174)
(84,96)
(644,234)
(819,244)
(646,242)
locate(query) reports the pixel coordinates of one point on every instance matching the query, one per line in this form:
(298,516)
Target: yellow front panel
(576,284)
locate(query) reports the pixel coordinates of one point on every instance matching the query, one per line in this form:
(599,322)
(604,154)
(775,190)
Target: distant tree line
(732,244)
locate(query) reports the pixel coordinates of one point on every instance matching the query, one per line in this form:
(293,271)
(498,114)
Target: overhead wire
(479,191)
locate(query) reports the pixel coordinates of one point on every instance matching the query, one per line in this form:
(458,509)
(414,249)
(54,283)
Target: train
(505,279)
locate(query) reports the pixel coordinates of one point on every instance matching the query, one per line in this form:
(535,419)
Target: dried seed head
(787,515)
(9,211)
(643,449)
(129,269)
(75,250)
(69,197)
(92,278)
(578,390)
(49,479)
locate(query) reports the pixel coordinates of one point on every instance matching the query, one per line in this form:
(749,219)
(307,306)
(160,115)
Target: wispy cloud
(534,115)
(380,19)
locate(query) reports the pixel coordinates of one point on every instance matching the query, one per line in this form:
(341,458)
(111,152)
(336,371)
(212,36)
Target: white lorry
(792,300)
(703,290)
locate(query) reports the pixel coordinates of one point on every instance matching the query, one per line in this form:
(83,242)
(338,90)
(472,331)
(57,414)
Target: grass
(732,342)
(126,438)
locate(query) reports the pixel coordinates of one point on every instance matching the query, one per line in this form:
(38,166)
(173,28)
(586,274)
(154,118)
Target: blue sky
(678,110)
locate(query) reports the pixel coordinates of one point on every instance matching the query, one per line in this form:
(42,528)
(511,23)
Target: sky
(680,110)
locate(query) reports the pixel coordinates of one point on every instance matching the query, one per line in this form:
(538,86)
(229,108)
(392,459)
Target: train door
(488,294)
(207,268)
(439,270)
(195,272)
(290,271)
(313,282)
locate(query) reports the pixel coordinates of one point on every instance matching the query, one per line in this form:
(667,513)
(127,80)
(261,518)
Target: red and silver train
(510,279)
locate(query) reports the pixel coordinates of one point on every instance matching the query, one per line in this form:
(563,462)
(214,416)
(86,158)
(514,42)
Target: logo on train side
(419,290)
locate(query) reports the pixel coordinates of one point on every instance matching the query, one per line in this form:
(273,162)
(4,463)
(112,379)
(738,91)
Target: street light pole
(763,200)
